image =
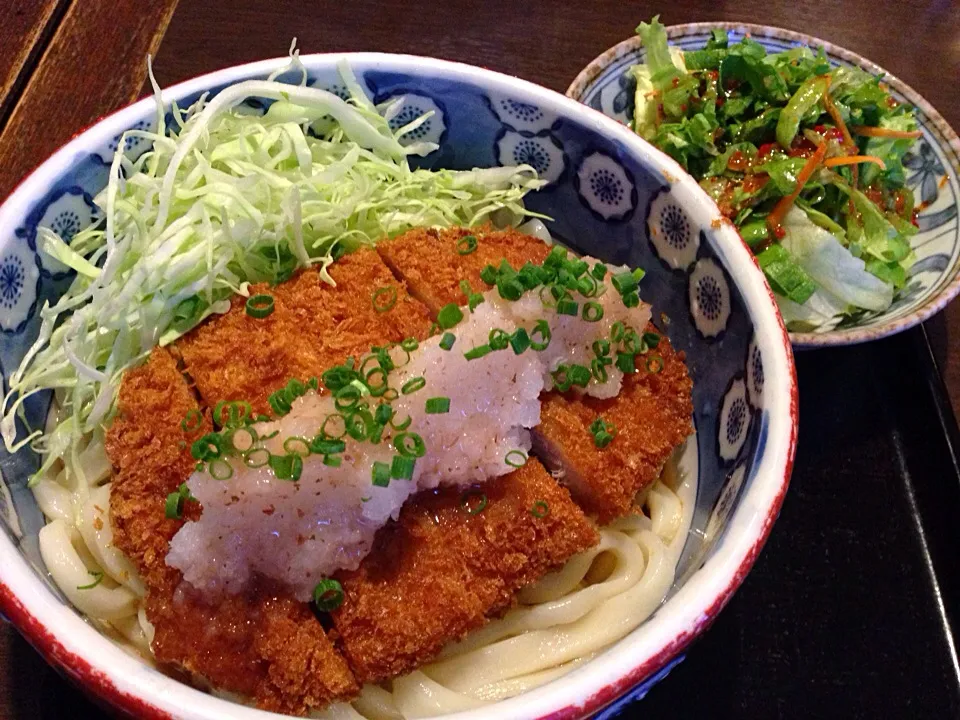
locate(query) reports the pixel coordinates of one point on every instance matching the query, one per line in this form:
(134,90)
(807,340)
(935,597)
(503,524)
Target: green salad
(803,157)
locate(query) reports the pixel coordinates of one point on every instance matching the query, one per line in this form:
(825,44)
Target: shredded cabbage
(832,266)
(227,197)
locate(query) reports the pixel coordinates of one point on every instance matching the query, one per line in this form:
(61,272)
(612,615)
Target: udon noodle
(560,622)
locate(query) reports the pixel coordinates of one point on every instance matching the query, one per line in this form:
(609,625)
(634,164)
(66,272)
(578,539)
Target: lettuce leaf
(833,266)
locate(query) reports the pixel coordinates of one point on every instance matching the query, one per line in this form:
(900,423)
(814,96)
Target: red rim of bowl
(79,669)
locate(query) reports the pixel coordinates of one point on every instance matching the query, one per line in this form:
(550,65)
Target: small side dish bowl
(933,170)
(605,188)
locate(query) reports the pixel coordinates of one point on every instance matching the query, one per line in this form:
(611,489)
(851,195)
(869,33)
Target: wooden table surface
(65,63)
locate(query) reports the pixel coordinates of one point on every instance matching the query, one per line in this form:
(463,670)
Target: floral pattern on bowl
(604,187)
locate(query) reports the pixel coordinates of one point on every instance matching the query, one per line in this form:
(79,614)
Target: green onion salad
(804,157)
(224,198)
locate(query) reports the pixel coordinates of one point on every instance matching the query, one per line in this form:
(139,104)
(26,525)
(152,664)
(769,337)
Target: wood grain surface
(94,63)
(23,35)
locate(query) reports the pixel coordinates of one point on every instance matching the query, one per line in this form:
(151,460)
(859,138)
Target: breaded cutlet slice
(653,416)
(263,645)
(652,413)
(432,267)
(439,571)
(313,327)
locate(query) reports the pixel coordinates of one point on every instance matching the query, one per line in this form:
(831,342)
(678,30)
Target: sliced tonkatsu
(313,326)
(652,414)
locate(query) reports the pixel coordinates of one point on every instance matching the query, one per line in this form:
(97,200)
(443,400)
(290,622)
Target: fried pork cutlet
(430,263)
(440,571)
(652,413)
(313,327)
(263,645)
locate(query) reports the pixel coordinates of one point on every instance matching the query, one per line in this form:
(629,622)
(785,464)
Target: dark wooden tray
(851,610)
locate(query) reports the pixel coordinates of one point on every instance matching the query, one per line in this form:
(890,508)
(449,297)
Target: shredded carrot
(780,210)
(880,132)
(854,160)
(838,121)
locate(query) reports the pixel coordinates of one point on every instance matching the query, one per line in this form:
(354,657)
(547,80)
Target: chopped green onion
(249,436)
(599,271)
(588,286)
(220,469)
(332,460)
(384,298)
(478,352)
(473,300)
(401,426)
(631,342)
(599,370)
(601,347)
(412,385)
(297,446)
(376,381)
(509,288)
(542,329)
(625,363)
(540,509)
(489,274)
(650,340)
(437,406)
(410,344)
(473,509)
(208,447)
(360,425)
(519,341)
(449,316)
(347,397)
(561,379)
(326,446)
(380,474)
(328,595)
(631,299)
(447,341)
(98,578)
(579,375)
(624,282)
(410,444)
(260,306)
(617,331)
(286,467)
(173,508)
(466,245)
(402,467)
(279,402)
(382,414)
(654,364)
(603,432)
(328,432)
(256,458)
(592,311)
(566,306)
(499,339)
(515,458)
(191,421)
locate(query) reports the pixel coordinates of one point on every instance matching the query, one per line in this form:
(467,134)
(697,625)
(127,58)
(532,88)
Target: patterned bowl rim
(66,641)
(849,336)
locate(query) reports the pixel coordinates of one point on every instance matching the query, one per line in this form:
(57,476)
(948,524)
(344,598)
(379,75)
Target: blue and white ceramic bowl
(934,170)
(607,189)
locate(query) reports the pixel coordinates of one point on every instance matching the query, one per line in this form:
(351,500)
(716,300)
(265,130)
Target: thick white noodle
(560,622)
